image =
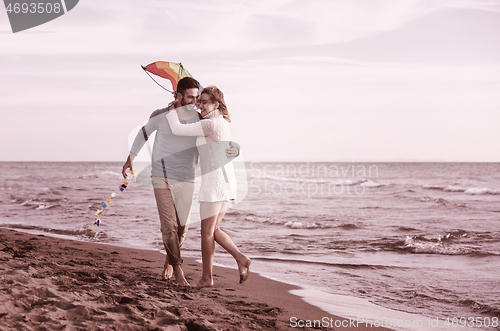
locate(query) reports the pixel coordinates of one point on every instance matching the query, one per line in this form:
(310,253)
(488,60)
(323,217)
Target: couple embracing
(182,137)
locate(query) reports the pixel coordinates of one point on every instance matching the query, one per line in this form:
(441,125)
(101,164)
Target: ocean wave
(83,233)
(42,207)
(234,212)
(466,190)
(339,265)
(405,228)
(418,246)
(49,191)
(99,174)
(261,219)
(440,201)
(112,173)
(445,244)
(293,224)
(481,191)
(301,225)
(480,308)
(88,176)
(453,242)
(339,182)
(37,204)
(372,184)
(446,188)
(348,226)
(96,173)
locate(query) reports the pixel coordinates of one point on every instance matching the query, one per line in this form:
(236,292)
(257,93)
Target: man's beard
(188,106)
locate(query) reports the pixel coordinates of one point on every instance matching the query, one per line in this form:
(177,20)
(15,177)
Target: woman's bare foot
(168,272)
(204,283)
(244,268)
(179,276)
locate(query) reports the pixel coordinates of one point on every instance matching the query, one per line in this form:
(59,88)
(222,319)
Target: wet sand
(56,284)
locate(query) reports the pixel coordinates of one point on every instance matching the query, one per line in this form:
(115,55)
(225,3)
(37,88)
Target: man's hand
(127,165)
(232,151)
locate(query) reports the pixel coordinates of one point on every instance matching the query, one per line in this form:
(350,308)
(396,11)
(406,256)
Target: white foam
(371,183)
(300,225)
(454,189)
(481,191)
(469,190)
(42,206)
(436,247)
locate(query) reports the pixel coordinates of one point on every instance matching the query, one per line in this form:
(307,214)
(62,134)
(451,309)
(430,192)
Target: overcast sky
(346,80)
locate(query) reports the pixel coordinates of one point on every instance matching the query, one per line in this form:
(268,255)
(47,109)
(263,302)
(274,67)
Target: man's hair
(187,83)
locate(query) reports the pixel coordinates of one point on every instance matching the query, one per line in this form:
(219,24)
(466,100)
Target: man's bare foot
(244,268)
(168,272)
(204,283)
(179,276)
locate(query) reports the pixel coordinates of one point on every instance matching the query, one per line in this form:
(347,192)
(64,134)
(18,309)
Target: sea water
(422,239)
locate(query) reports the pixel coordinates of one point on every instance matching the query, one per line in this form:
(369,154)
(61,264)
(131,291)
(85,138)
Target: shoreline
(63,283)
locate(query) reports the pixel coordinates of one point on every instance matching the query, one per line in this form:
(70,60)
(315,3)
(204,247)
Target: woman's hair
(216,95)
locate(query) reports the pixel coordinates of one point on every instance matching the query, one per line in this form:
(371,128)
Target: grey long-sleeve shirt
(173,156)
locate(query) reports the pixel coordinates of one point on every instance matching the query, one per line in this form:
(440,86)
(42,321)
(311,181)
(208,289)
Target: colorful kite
(122,187)
(169,70)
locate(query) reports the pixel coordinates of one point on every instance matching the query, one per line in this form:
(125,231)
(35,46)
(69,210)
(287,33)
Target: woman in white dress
(218,181)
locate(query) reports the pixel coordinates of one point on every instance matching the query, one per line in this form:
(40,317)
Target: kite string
(123,186)
(156,81)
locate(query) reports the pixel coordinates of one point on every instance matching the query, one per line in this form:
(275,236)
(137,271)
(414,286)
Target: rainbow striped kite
(169,70)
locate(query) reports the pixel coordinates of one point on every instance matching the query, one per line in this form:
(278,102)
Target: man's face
(189,96)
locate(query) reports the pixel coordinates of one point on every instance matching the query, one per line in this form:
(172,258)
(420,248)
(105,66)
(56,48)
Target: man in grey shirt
(173,161)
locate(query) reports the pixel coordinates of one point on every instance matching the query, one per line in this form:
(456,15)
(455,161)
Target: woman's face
(206,105)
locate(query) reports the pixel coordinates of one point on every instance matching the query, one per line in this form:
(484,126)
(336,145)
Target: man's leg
(182,193)
(169,226)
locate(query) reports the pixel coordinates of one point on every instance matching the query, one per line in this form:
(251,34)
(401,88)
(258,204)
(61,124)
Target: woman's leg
(209,212)
(227,243)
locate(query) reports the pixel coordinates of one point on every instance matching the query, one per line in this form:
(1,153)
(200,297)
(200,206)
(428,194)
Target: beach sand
(57,284)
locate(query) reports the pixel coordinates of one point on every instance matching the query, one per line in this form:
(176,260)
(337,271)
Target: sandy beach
(56,284)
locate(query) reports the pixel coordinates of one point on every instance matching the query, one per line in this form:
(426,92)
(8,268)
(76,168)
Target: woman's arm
(179,129)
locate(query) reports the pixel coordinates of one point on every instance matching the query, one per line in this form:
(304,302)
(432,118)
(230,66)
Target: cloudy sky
(305,80)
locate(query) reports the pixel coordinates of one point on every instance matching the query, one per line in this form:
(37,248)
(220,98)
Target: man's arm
(141,138)
(128,164)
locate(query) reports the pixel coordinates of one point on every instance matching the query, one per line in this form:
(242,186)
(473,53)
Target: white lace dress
(218,181)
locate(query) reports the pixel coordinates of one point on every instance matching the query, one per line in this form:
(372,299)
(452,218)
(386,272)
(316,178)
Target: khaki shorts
(182,194)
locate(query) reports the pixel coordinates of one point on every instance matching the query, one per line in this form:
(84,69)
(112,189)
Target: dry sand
(56,284)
